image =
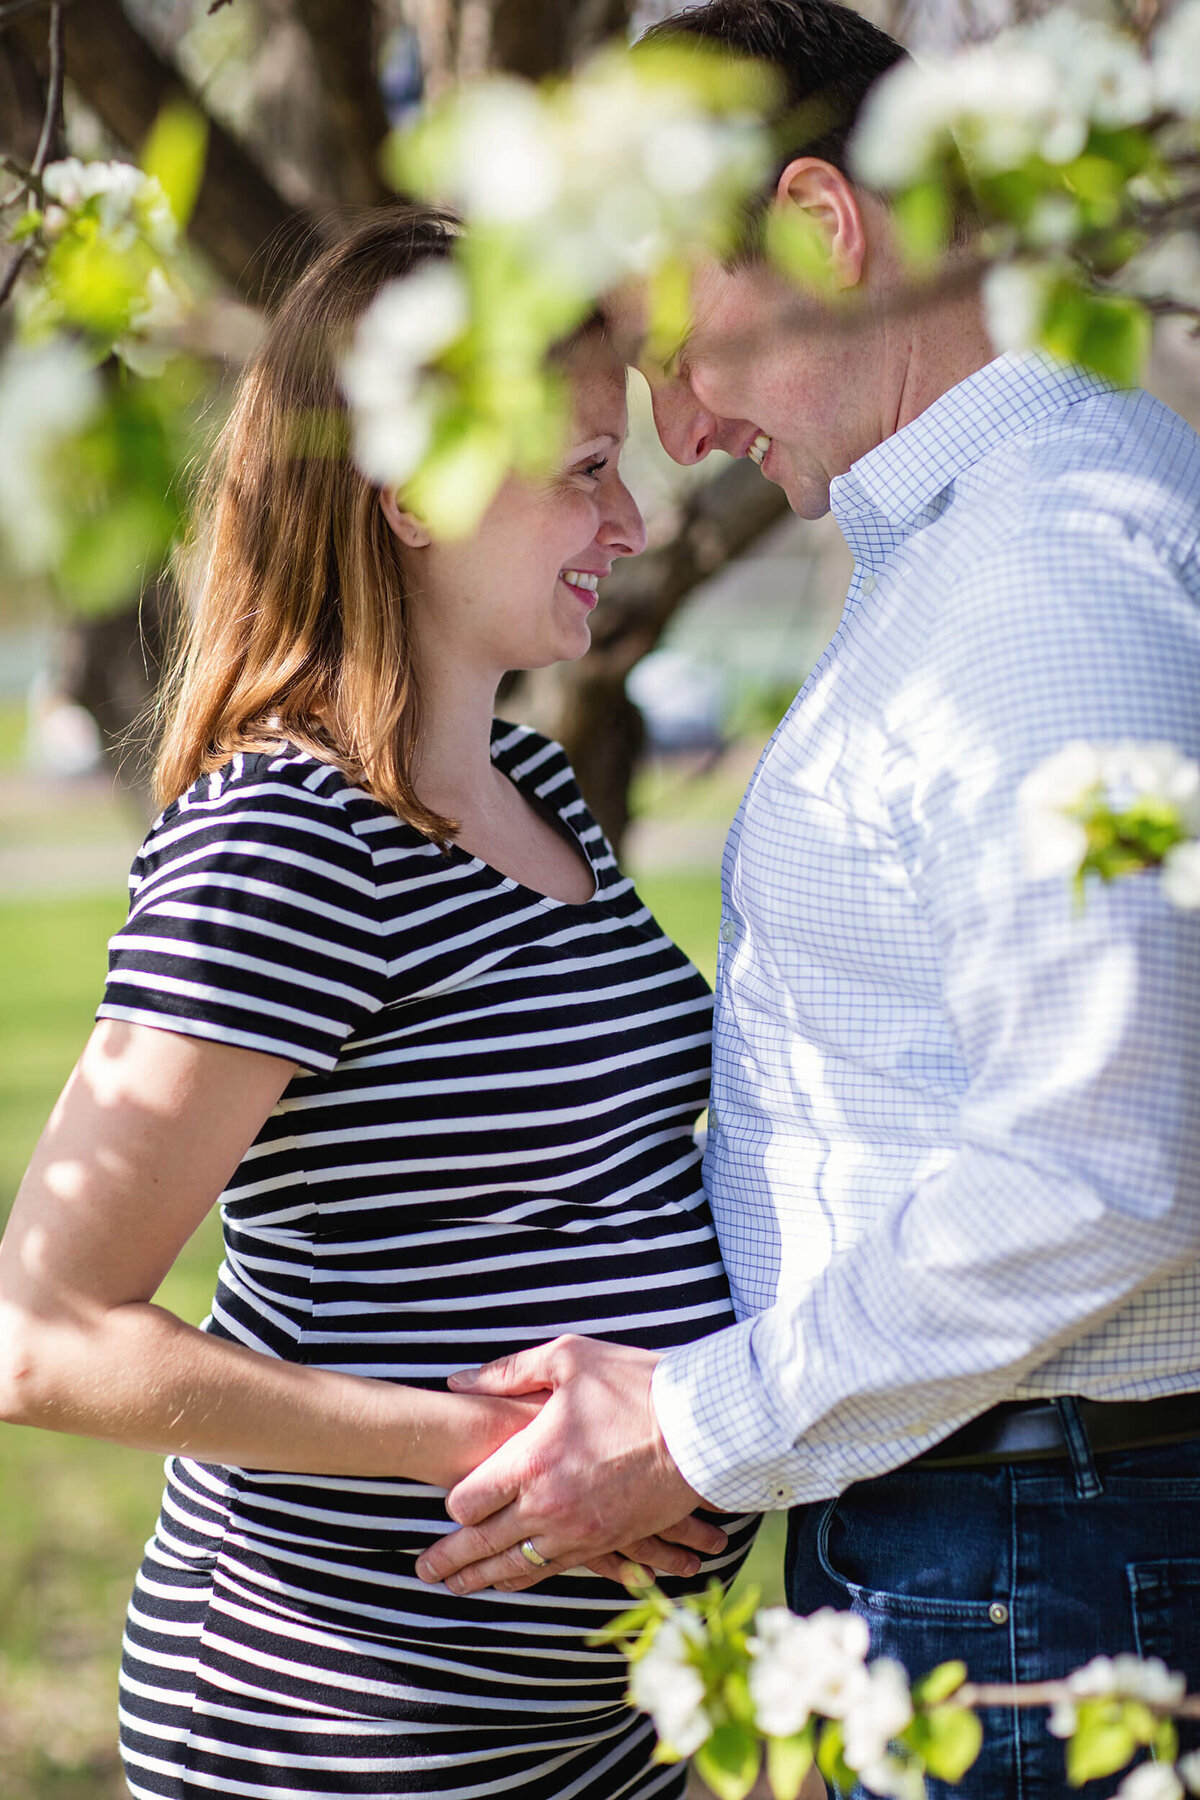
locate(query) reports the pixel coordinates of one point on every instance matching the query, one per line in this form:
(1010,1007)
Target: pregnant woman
(385,994)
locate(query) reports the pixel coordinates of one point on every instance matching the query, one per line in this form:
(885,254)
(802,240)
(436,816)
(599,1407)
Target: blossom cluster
(566,191)
(818,1664)
(1059,124)
(125,202)
(720,1685)
(1112,810)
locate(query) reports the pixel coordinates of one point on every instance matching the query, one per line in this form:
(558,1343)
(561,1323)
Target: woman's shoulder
(533,761)
(280,805)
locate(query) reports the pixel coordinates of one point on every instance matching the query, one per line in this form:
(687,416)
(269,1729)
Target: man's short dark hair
(825,57)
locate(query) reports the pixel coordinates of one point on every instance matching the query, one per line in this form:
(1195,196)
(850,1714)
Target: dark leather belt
(1021,1430)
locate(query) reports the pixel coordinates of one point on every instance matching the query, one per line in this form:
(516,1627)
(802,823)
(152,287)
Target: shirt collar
(897,486)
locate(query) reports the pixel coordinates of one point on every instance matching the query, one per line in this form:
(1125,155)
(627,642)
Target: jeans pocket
(866,1596)
(1166,1621)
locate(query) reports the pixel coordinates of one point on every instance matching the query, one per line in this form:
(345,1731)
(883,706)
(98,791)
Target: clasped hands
(589,1482)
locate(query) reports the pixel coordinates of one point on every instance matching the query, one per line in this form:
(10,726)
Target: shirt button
(781,1493)
(998,1613)
(728,931)
(867,585)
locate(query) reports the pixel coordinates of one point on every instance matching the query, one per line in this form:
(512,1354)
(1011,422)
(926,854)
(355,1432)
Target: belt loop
(1088,1484)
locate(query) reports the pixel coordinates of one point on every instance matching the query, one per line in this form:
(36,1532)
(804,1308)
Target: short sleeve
(254,918)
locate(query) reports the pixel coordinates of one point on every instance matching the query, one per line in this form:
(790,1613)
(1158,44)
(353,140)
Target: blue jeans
(1024,1570)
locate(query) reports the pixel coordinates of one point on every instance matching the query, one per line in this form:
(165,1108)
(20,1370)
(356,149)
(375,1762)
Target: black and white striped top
(488,1142)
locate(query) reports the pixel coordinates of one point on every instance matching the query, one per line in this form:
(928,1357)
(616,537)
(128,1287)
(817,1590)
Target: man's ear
(407,527)
(828,202)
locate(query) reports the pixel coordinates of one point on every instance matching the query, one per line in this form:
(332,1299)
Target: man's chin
(807,499)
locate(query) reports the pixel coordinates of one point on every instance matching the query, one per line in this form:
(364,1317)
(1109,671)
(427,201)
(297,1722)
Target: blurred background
(698,650)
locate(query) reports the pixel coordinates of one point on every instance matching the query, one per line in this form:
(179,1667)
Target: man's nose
(687,430)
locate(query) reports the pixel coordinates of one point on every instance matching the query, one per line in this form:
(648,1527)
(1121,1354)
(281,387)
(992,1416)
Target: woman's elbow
(26,1385)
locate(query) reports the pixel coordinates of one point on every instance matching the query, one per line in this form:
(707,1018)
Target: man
(954,1152)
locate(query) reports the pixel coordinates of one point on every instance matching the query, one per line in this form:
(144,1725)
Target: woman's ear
(407,527)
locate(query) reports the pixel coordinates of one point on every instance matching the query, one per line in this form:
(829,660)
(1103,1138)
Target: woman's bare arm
(147,1133)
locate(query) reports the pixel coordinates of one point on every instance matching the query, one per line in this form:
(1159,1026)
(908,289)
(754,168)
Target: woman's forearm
(137,1375)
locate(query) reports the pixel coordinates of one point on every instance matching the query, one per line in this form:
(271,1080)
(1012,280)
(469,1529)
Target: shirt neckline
(528,787)
(902,477)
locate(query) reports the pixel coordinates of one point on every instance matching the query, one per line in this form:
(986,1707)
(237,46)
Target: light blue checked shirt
(954,1154)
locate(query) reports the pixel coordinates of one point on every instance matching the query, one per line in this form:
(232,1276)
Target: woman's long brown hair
(298,629)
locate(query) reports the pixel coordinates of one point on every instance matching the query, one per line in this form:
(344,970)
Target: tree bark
(544,37)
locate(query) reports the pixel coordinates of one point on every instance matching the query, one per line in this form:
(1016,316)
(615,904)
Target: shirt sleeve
(254,918)
(1075,1178)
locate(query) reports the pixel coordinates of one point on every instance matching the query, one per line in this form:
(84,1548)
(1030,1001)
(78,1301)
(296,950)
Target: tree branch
(975,1694)
(51,125)
(16,8)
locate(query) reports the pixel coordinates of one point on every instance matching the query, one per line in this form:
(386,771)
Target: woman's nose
(622,529)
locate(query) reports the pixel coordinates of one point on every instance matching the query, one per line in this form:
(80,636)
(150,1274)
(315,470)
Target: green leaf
(922,215)
(831,1758)
(1100,1746)
(949,1741)
(1108,334)
(728,1761)
(939,1684)
(799,249)
(742,1609)
(27,226)
(788,1761)
(1165,1743)
(175,151)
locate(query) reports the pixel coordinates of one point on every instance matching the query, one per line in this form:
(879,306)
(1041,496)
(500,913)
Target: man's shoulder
(1117,460)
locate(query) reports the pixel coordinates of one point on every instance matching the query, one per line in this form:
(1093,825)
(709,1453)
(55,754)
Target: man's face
(762,374)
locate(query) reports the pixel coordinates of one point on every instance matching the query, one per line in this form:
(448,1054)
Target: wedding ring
(532,1556)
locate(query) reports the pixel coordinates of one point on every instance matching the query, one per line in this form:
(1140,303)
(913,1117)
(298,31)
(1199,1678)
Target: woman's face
(519,593)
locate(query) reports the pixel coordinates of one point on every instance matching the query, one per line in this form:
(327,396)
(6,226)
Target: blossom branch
(51,124)
(974,1694)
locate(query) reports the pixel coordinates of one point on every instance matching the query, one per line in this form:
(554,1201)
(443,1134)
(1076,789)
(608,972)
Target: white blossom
(1151,1781)
(878,1711)
(146,347)
(393,404)
(805,1665)
(505,166)
(1103,75)
(1051,803)
(666,1684)
(894,1778)
(1128,1677)
(46,395)
(1188,1768)
(1123,1677)
(1015,297)
(1052,842)
(129,203)
(1181,875)
(1035,90)
(1176,60)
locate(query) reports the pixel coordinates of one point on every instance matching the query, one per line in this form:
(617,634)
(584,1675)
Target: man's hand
(588,1476)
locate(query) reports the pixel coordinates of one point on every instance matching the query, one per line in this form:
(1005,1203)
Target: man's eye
(594,469)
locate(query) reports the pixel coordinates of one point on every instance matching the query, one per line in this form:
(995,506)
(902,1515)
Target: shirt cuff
(720,1426)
